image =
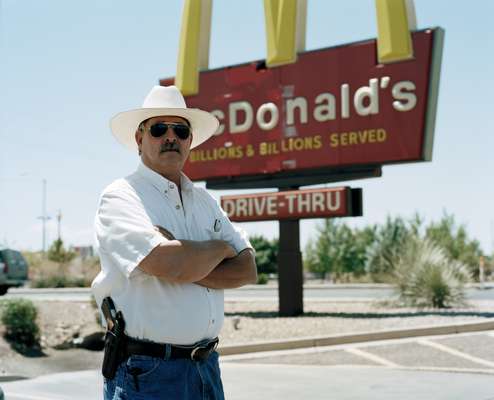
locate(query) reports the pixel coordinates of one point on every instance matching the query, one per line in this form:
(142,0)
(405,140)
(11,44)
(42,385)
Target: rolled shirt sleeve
(124,231)
(233,235)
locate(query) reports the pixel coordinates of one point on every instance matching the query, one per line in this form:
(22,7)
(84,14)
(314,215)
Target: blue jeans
(144,377)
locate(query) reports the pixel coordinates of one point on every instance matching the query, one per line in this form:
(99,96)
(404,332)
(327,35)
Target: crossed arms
(212,263)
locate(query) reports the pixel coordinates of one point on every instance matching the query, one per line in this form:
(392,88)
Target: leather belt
(197,352)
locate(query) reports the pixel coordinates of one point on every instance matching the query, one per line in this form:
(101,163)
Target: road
(251,292)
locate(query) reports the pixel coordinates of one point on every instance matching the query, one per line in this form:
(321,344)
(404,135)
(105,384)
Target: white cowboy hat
(163,100)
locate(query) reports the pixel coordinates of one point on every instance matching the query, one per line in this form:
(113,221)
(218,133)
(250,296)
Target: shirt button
(177,207)
(212,321)
(166,191)
(171,186)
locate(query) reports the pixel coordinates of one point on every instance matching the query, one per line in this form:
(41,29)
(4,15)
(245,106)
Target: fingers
(230,251)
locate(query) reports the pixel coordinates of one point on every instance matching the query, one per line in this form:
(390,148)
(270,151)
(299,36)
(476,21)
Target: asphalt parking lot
(459,366)
(469,352)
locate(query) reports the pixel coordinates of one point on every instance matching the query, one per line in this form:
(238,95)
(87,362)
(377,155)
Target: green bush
(266,254)
(59,281)
(21,328)
(426,277)
(262,279)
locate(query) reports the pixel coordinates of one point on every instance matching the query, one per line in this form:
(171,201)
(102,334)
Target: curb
(330,286)
(274,286)
(26,290)
(337,286)
(320,341)
(12,378)
(270,299)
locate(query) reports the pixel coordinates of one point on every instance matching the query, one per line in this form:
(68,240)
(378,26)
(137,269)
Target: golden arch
(285,35)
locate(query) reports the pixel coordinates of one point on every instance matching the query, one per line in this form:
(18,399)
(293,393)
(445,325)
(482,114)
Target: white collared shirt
(153,308)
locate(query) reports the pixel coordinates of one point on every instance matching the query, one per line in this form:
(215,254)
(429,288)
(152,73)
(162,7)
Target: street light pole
(44,217)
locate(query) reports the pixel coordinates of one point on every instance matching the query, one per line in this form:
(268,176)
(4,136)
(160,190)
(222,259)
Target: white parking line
(457,353)
(372,357)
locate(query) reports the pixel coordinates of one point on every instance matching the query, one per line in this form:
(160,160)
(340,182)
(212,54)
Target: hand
(230,252)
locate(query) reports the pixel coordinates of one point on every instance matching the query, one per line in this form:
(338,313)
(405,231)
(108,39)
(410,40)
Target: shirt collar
(160,182)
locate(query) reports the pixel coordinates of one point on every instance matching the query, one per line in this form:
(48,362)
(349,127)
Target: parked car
(13,269)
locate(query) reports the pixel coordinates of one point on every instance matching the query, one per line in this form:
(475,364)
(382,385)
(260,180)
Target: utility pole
(44,217)
(492,237)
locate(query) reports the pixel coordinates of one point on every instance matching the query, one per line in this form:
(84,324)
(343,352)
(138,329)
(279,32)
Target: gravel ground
(259,321)
(252,322)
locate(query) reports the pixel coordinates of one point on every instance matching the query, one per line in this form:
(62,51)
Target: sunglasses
(159,129)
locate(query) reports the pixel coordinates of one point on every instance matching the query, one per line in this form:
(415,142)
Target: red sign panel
(334,107)
(295,204)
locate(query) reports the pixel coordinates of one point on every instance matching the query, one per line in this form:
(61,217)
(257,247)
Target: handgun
(114,338)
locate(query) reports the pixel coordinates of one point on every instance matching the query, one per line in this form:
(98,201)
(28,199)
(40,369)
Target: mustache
(169,146)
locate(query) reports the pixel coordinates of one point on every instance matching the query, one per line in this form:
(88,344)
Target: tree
(58,253)
(266,254)
(314,260)
(319,255)
(455,242)
(338,250)
(363,239)
(390,239)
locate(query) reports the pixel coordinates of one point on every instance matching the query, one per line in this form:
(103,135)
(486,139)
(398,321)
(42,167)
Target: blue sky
(67,67)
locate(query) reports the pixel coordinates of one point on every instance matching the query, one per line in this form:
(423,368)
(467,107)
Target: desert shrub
(19,319)
(426,277)
(58,253)
(76,273)
(59,281)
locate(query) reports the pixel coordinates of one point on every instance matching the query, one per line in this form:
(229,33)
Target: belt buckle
(197,353)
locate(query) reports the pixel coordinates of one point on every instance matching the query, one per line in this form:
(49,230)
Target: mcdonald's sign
(359,105)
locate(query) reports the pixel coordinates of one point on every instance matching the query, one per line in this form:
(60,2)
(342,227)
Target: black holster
(115,338)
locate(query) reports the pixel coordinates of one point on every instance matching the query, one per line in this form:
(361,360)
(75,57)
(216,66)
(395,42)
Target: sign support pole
(290,271)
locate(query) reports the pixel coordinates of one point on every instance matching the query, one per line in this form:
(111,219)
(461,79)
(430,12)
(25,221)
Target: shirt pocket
(214,229)
(212,235)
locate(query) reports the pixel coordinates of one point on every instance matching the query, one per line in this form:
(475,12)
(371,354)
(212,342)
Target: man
(167,250)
